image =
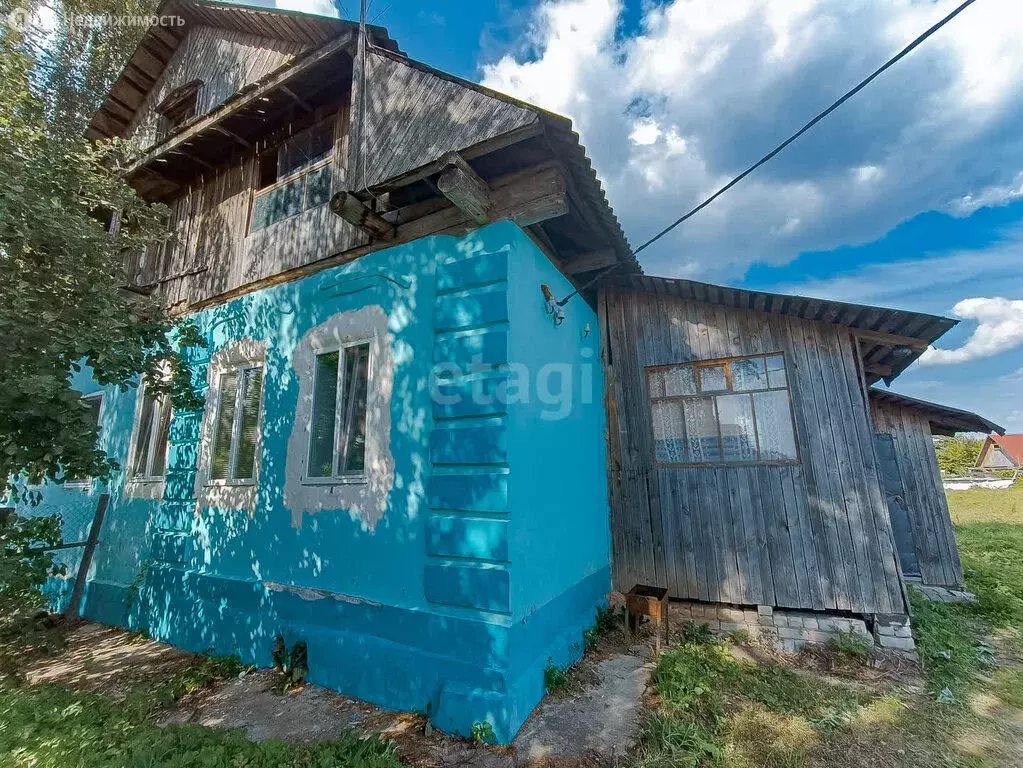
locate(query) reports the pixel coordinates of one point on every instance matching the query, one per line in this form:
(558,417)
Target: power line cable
(849,94)
(863,84)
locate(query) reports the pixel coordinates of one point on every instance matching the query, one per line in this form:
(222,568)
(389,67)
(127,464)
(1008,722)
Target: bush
(24,565)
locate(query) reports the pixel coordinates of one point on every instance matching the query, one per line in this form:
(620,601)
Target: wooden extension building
(743,461)
(911,479)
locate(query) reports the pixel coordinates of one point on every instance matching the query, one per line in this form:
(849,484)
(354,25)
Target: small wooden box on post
(644,600)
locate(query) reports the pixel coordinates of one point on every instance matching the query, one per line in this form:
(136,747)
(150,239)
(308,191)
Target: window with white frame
(337,428)
(94,402)
(149,451)
(729,411)
(236,429)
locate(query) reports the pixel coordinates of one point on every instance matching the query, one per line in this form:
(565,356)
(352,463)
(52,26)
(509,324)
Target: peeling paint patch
(317,594)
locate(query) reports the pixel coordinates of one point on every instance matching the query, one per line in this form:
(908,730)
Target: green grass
(984,505)
(715,711)
(554,677)
(52,727)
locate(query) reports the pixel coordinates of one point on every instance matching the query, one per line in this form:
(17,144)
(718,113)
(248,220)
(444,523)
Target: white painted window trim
(240,368)
(325,349)
(86,482)
(365,502)
(229,494)
(144,485)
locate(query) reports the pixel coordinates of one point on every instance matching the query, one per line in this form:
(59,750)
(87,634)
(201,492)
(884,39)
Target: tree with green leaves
(957,455)
(63,300)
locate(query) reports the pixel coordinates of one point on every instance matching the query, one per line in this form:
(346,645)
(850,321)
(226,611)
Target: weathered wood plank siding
(414,116)
(211,251)
(811,535)
(933,536)
(225,61)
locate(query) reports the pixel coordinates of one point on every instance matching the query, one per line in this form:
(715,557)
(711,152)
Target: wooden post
(74,605)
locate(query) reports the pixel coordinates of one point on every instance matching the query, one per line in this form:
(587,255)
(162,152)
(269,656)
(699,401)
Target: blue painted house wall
(491,550)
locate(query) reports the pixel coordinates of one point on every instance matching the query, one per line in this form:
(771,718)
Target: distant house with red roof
(1001,452)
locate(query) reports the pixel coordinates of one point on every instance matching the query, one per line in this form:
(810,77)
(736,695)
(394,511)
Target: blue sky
(911,195)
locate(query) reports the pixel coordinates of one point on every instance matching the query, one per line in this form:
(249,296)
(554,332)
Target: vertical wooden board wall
(812,535)
(210,250)
(933,535)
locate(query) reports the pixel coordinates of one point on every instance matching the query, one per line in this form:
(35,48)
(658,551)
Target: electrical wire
(848,95)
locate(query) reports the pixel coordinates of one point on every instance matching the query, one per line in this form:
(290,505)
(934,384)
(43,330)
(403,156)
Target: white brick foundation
(790,631)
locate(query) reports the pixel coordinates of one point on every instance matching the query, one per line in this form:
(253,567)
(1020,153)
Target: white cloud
(704,88)
(999,329)
(998,194)
(319,7)
(644,132)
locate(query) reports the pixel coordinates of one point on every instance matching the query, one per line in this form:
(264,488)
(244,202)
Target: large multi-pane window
(149,455)
(294,176)
(722,412)
(236,429)
(337,429)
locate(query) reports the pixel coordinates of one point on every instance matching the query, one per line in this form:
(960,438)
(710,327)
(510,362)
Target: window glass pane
(680,380)
(712,378)
(245,463)
(774,426)
(776,371)
(701,429)
(738,440)
(324,413)
(669,437)
(143,435)
(220,465)
(305,148)
(290,203)
(356,383)
(261,211)
(318,187)
(748,374)
(159,463)
(656,382)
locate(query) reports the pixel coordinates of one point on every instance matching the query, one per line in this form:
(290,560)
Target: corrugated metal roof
(918,329)
(944,419)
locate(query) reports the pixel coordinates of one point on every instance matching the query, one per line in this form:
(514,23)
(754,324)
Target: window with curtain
(294,176)
(732,411)
(149,457)
(236,429)
(337,429)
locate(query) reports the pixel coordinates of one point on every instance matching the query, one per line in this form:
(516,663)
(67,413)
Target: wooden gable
(222,60)
(414,116)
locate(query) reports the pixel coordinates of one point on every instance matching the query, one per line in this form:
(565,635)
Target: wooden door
(895,494)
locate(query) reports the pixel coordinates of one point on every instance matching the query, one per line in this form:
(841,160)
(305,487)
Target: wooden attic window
(179,106)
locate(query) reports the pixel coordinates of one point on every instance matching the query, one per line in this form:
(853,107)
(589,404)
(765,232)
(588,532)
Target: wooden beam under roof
(890,339)
(460,184)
